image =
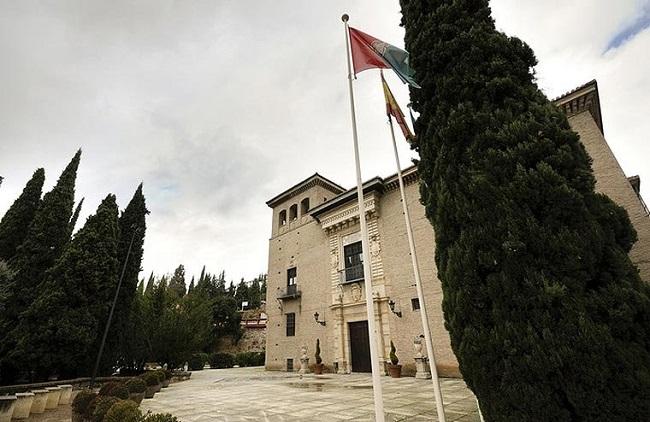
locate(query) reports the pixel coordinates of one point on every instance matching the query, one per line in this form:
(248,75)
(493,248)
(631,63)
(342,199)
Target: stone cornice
(409,176)
(314,180)
(583,98)
(343,217)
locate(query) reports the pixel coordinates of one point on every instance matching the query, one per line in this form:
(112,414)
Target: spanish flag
(392,108)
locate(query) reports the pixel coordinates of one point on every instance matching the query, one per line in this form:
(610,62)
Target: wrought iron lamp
(391,305)
(316,315)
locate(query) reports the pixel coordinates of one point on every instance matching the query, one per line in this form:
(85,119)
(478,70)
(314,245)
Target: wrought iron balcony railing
(290,292)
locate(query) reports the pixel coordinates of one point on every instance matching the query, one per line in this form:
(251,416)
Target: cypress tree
(57,334)
(547,315)
(190,288)
(177,282)
(6,277)
(150,284)
(132,225)
(46,238)
(75,216)
(16,221)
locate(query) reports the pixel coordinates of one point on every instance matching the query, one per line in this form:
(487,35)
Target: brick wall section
(401,282)
(611,180)
(302,244)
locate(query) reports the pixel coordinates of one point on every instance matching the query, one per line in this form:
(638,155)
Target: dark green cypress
(132,224)
(47,236)
(547,315)
(16,221)
(75,216)
(150,284)
(177,285)
(58,333)
(190,288)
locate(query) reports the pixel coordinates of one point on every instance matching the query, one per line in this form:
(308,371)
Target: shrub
(120,391)
(102,406)
(197,361)
(221,360)
(150,378)
(319,360)
(123,411)
(161,375)
(244,359)
(393,357)
(90,409)
(107,387)
(136,385)
(168,374)
(82,401)
(160,417)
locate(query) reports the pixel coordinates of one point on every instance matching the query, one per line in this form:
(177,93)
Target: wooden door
(359,347)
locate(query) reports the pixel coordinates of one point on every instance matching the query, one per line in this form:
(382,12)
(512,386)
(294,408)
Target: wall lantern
(316,315)
(391,305)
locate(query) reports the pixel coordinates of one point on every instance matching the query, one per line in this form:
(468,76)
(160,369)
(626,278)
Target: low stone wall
(253,340)
(77,383)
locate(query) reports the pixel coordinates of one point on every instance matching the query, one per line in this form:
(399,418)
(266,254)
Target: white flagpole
(367,274)
(418,285)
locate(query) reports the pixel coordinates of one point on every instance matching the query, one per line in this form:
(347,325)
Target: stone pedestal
(304,366)
(66,394)
(422,368)
(40,400)
(53,397)
(7,404)
(23,405)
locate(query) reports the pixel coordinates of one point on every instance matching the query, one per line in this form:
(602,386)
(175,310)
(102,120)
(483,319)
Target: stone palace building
(315,273)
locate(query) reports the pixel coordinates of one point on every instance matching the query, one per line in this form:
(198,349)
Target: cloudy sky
(219,105)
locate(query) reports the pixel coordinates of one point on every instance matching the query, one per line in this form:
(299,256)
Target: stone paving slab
(252,394)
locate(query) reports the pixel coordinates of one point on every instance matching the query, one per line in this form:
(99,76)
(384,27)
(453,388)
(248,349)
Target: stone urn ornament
(422,370)
(394,368)
(304,361)
(417,347)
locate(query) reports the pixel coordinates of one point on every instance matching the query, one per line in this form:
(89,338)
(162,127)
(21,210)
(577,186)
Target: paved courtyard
(252,394)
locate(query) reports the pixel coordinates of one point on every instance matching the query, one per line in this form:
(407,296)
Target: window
(289,365)
(293,212)
(353,262)
(282,219)
(304,206)
(292,278)
(291,324)
(415,304)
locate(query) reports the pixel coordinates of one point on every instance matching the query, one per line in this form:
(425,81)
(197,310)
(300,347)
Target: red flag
(363,55)
(369,52)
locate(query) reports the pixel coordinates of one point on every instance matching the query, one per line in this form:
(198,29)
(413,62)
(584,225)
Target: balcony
(290,292)
(352,274)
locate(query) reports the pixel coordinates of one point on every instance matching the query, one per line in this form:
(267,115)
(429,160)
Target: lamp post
(110,315)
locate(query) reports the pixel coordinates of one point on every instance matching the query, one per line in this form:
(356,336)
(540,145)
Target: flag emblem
(369,52)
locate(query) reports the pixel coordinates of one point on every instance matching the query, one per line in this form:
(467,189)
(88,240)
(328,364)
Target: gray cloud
(218,105)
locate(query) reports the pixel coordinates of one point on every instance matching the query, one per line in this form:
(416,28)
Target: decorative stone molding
(348,215)
(409,176)
(355,292)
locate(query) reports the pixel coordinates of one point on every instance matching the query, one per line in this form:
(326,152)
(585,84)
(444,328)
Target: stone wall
(253,340)
(611,180)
